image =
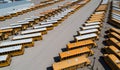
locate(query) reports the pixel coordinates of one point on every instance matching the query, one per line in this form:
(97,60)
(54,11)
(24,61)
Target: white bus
(13,50)
(31,21)
(5,60)
(89,31)
(92,24)
(16,28)
(54,22)
(24,24)
(23,42)
(36,18)
(41,30)
(92,36)
(91,27)
(48,26)
(34,36)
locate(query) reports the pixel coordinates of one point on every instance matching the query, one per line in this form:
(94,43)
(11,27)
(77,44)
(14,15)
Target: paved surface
(42,55)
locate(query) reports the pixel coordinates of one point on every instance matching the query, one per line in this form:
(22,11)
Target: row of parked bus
(78,51)
(44,18)
(114,16)
(33,31)
(21,11)
(112,49)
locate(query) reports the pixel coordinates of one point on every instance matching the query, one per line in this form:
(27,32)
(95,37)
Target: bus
(112,50)
(48,13)
(24,42)
(100,12)
(42,17)
(114,30)
(57,18)
(6,32)
(7,16)
(97,15)
(13,13)
(116,19)
(1,36)
(48,26)
(31,21)
(16,28)
(36,19)
(92,36)
(115,35)
(41,30)
(2,18)
(13,50)
(89,43)
(112,61)
(116,16)
(54,22)
(96,18)
(91,27)
(83,32)
(85,51)
(102,7)
(72,64)
(5,60)
(92,24)
(34,36)
(115,11)
(113,41)
(25,24)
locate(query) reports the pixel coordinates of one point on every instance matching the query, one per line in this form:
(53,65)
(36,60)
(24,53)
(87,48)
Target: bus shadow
(104,43)
(49,68)
(75,35)
(56,59)
(105,36)
(102,51)
(64,49)
(72,41)
(101,60)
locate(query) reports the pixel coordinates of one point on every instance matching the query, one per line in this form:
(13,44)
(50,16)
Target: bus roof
(9,27)
(87,36)
(80,43)
(113,39)
(3,57)
(13,48)
(89,27)
(33,30)
(115,30)
(114,49)
(26,36)
(74,52)
(114,59)
(70,62)
(88,31)
(7,43)
(42,26)
(116,35)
